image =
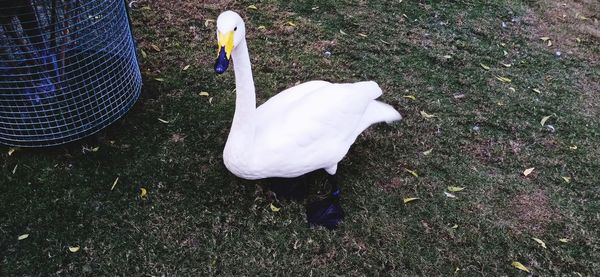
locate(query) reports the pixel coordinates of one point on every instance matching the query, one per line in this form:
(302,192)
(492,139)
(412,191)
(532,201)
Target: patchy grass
(200,220)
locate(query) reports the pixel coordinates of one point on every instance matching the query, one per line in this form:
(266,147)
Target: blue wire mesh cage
(67,69)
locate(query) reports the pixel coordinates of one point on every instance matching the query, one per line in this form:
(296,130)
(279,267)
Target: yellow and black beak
(225,45)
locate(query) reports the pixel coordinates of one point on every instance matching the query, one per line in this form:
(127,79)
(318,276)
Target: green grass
(201,220)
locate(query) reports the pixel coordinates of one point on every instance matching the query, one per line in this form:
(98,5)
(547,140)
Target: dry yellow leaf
(342,32)
(567,179)
(144,55)
(409,199)
(426,115)
(274,208)
(73,249)
(412,172)
(528,171)
(203,93)
(427,152)
(505,53)
(537,90)
(155,47)
(114,183)
(564,240)
(578,40)
(520,266)
(485,66)
(581,17)
(447,57)
(11,150)
(23,236)
(455,226)
(503,79)
(253,7)
(362,35)
(159,79)
(449,195)
(291,24)
(541,242)
(506,64)
(206,22)
(455,189)
(544,39)
(549,43)
(15,169)
(262,27)
(143,192)
(163,121)
(186,67)
(512,89)
(573,147)
(544,119)
(411,97)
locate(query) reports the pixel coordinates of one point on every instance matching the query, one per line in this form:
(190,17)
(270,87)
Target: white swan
(304,128)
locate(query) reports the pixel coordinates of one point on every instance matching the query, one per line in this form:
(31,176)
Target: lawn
(473,79)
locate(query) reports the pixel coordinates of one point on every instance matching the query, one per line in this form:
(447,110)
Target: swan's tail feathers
(371,88)
(378,111)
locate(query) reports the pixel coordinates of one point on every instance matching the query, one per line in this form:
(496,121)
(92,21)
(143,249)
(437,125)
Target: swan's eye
(235,29)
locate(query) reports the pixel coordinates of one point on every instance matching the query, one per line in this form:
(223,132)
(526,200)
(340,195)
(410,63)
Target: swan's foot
(288,188)
(326,212)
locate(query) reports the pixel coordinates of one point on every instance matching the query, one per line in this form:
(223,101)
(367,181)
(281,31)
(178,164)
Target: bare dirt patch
(572,27)
(531,212)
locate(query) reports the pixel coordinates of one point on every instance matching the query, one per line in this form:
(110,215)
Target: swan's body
(304,128)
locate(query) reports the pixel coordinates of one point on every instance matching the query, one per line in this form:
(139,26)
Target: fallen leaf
(23,236)
(253,7)
(274,208)
(454,226)
(163,121)
(544,39)
(159,79)
(541,242)
(512,89)
(447,57)
(537,90)
(578,40)
(520,266)
(503,79)
(506,64)
(549,43)
(11,151)
(578,274)
(427,152)
(413,172)
(114,183)
(567,179)
(581,17)
(564,240)
(186,67)
(362,35)
(262,27)
(426,115)
(144,55)
(411,97)
(15,169)
(206,22)
(455,189)
(155,47)
(505,53)
(449,195)
(485,66)
(342,32)
(544,119)
(574,147)
(143,192)
(73,249)
(203,93)
(291,24)
(528,171)
(409,199)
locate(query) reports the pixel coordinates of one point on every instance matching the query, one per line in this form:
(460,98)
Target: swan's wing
(323,121)
(277,104)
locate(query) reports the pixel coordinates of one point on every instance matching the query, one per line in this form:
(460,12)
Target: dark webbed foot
(326,212)
(294,189)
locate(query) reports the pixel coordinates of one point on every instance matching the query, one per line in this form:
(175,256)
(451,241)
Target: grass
(200,219)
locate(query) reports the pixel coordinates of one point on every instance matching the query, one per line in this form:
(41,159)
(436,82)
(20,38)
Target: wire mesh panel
(67,69)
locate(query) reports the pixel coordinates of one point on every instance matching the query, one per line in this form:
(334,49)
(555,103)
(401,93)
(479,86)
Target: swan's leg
(326,212)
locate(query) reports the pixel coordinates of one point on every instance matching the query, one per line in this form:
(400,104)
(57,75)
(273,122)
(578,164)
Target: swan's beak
(225,44)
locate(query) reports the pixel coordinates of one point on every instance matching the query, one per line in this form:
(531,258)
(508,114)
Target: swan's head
(230,32)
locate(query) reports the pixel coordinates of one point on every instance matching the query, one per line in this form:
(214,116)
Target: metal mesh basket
(67,69)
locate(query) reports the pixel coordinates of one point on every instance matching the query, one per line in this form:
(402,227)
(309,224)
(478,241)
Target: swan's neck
(241,134)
